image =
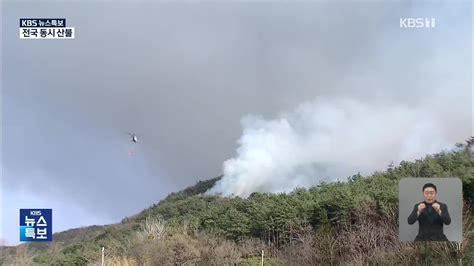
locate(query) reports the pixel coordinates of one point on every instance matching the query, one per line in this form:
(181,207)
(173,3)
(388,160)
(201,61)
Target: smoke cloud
(330,139)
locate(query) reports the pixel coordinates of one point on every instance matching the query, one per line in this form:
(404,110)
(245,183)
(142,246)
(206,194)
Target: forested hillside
(349,221)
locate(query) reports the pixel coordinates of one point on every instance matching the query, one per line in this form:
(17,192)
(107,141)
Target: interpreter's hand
(437,207)
(421,207)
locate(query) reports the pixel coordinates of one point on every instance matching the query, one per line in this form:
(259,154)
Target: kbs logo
(28,23)
(417,22)
(36,224)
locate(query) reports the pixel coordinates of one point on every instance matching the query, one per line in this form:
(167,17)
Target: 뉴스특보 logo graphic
(36,224)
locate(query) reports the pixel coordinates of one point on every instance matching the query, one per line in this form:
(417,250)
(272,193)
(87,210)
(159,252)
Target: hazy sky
(182,75)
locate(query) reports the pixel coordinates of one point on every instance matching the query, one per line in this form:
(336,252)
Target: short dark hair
(429,185)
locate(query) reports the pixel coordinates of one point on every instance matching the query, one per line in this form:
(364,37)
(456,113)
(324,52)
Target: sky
(274,95)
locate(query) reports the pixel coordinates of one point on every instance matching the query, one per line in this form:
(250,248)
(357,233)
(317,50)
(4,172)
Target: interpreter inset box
(430,209)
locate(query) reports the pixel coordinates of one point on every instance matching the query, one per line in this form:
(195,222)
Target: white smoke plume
(330,139)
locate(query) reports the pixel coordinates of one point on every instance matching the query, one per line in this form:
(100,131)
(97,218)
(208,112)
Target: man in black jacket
(431,215)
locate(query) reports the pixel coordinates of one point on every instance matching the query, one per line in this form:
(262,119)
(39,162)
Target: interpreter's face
(430,194)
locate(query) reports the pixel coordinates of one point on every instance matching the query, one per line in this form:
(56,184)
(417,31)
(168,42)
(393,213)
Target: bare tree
(453,252)
(152,228)
(416,168)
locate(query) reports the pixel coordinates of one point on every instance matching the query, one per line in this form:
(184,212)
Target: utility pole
(103,256)
(262,257)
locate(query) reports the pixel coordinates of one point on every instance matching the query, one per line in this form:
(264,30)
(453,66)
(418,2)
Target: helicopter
(134,139)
